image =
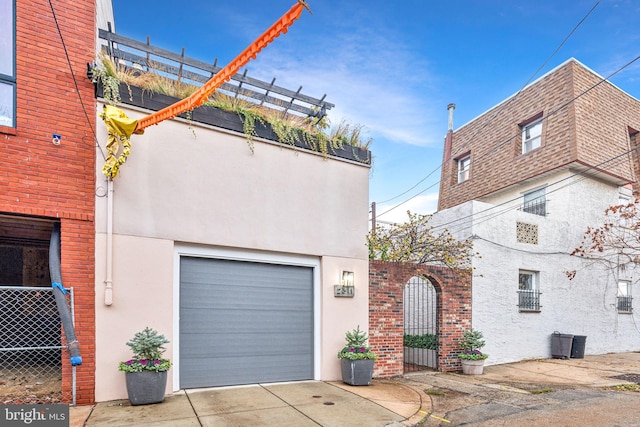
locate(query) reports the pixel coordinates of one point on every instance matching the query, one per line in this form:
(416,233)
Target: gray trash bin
(577,346)
(561,345)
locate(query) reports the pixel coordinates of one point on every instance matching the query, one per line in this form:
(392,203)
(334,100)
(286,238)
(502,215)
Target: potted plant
(357,358)
(146,372)
(472,358)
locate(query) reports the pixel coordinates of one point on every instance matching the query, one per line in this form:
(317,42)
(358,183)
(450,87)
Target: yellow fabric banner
(120,128)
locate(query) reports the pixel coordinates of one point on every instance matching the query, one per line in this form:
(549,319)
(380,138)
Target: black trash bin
(561,345)
(577,346)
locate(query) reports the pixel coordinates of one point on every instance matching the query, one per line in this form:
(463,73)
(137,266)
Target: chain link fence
(33,354)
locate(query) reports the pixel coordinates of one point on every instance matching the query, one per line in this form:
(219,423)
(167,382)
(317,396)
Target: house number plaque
(344,291)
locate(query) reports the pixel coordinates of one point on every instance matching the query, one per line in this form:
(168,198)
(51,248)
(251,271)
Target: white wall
(585,305)
(203,188)
(104,15)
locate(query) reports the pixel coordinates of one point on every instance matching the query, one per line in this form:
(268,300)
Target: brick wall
(42,179)
(582,125)
(386,329)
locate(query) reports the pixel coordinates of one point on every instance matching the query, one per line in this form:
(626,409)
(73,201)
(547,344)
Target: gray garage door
(244,322)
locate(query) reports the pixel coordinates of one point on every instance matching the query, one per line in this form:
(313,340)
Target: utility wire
(504,105)
(564,106)
(476,237)
(501,107)
(591,171)
(75,82)
(551,113)
(492,215)
(418,183)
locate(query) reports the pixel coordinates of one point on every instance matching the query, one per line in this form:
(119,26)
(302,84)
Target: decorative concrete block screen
(527,233)
(387,281)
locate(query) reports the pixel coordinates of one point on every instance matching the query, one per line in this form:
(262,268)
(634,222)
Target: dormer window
(531,136)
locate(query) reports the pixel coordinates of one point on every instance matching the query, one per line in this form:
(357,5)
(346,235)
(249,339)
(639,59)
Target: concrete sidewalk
(308,403)
(401,401)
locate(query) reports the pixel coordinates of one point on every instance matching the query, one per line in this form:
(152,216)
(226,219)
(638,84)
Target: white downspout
(108,290)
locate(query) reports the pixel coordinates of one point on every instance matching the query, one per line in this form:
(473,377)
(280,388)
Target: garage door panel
(221,320)
(244,299)
(244,322)
(233,344)
(235,372)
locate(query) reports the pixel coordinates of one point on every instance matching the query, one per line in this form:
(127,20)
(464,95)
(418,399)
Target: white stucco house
(524,180)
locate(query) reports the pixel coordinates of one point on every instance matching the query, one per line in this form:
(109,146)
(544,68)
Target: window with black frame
(7,64)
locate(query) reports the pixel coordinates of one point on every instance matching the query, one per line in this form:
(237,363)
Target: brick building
(525,180)
(579,122)
(46,179)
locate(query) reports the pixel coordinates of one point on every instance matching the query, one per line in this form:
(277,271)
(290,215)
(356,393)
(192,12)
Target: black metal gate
(420,325)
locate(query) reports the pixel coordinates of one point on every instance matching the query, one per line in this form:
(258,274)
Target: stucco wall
(585,305)
(142,296)
(205,186)
(196,186)
(572,198)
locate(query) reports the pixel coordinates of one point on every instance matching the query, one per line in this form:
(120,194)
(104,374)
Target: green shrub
(427,341)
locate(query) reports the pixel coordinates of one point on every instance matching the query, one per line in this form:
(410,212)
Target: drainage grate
(634,378)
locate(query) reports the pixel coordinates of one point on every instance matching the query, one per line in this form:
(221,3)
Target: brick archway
(386,290)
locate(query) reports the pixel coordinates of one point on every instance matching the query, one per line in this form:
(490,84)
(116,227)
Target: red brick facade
(38,178)
(586,122)
(387,281)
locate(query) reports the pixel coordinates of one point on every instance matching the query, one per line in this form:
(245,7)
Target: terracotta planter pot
(472,367)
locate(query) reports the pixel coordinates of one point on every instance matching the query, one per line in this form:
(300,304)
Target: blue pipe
(59,293)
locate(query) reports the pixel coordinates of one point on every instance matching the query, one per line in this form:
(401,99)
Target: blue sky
(393,67)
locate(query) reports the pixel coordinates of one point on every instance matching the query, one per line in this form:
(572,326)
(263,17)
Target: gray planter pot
(357,372)
(146,387)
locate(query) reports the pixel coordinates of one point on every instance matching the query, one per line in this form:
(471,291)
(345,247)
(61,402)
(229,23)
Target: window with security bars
(528,291)
(624,297)
(535,202)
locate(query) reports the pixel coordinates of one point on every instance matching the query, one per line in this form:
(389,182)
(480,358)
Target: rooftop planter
(135,96)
